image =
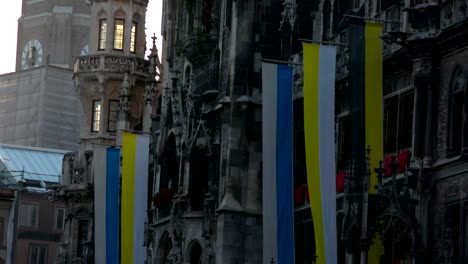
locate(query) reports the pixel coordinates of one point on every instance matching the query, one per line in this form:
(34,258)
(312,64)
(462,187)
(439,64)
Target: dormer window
(133,37)
(118,34)
(102,34)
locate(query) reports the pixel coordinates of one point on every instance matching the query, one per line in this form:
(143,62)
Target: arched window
(195,253)
(457,108)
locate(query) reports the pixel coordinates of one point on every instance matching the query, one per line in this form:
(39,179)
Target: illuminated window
(118,34)
(102,34)
(96,116)
(133,40)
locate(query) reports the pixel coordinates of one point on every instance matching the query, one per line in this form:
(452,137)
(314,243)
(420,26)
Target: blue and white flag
(106,165)
(278,202)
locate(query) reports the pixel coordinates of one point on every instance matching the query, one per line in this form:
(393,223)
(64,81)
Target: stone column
(103,98)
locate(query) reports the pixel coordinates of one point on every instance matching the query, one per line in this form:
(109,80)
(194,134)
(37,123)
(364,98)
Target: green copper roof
(29,164)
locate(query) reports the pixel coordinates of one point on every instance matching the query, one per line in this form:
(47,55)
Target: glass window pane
(118,34)
(133,38)
(406,122)
(390,124)
(96,116)
(102,34)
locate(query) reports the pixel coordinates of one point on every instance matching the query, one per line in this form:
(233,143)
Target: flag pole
(324,42)
(373,19)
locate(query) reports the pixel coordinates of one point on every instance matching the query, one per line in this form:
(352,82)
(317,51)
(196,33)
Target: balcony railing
(108,63)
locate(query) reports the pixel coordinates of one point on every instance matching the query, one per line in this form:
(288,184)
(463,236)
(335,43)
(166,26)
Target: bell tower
(52,32)
(114,81)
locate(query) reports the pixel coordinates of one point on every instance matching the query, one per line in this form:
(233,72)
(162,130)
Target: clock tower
(52,32)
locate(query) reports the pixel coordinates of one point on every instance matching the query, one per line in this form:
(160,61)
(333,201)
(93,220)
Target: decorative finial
(154,49)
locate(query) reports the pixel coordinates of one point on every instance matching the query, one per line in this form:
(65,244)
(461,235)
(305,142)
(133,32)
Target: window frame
(28,224)
(64,217)
(455,146)
(133,37)
(93,116)
(109,119)
(115,33)
(102,34)
(38,247)
(399,96)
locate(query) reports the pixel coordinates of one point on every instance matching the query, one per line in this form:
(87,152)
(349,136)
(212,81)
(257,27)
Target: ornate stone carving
(289,14)
(124,99)
(113,64)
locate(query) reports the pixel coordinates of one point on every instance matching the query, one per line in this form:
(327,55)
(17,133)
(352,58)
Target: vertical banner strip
(112,205)
(326,142)
(374,115)
(128,189)
(141,197)
(99,168)
(269,91)
(284,165)
(311,133)
(373,104)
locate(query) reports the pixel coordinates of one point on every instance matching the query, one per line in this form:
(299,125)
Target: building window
(113,116)
(96,116)
(37,254)
(133,39)
(344,143)
(29,215)
(457,105)
(102,34)
(118,34)
(59,218)
(398,123)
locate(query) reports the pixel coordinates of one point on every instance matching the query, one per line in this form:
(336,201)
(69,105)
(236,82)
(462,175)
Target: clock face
(84,51)
(32,55)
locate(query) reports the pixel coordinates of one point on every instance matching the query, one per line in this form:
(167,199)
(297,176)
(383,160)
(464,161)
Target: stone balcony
(111,64)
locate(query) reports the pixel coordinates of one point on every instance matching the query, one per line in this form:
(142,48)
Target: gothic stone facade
(207,156)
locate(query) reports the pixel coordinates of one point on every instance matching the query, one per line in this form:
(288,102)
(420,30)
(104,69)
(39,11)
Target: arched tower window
(102,34)
(457,110)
